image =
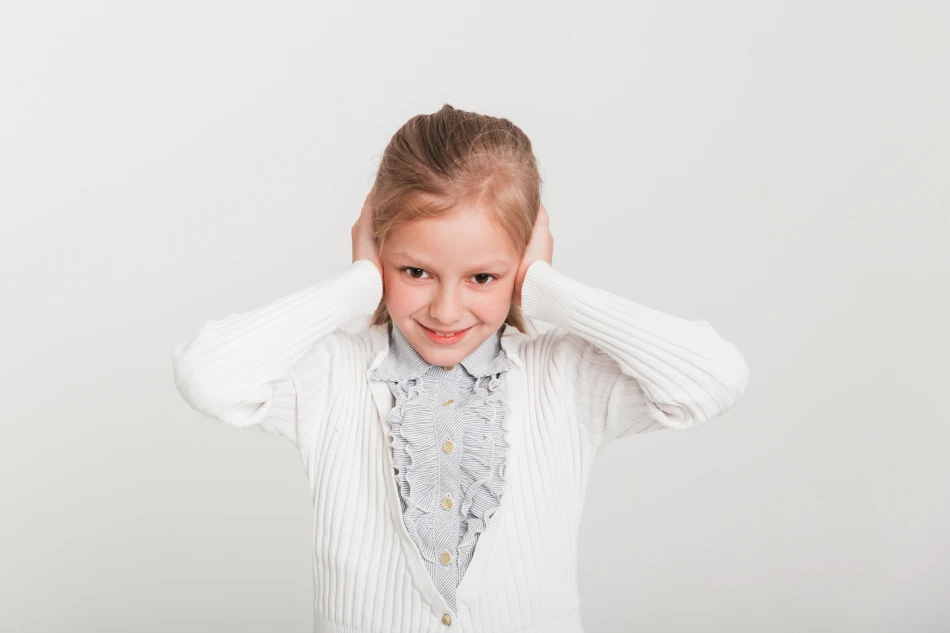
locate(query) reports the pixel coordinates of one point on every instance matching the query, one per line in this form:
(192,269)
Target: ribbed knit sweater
(610,368)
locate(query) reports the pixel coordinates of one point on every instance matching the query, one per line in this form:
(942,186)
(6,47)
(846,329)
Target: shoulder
(550,350)
(339,354)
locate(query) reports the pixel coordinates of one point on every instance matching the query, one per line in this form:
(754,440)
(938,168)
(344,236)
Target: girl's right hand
(364,246)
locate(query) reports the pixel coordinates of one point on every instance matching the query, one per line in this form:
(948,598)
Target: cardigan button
(446,619)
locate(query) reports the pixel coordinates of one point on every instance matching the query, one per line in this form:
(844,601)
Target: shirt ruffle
(484,455)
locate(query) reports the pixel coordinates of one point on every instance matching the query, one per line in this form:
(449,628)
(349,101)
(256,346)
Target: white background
(779,169)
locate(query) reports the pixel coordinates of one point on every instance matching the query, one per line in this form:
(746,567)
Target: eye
(416,273)
(412,271)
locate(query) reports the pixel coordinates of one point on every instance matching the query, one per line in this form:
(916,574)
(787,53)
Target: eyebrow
(483,266)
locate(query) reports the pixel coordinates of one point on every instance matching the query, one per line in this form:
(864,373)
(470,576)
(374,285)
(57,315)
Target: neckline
(515,390)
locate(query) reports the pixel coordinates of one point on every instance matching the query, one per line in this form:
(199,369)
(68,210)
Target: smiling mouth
(445,332)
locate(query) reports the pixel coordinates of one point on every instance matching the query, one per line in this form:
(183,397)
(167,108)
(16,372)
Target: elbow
(715,395)
(196,387)
(184,375)
(715,384)
(741,379)
(731,374)
(732,384)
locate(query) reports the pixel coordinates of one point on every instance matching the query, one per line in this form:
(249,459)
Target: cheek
(493,306)
(401,298)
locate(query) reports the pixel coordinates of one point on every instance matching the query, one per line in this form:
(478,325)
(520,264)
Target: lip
(445,340)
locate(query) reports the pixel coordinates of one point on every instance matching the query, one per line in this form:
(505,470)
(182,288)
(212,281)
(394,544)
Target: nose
(446,307)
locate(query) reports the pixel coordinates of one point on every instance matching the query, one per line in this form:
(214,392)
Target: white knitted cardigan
(610,368)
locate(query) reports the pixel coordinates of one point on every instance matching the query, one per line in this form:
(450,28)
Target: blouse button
(447,402)
(449,446)
(446,619)
(446,558)
(447,503)
(448,367)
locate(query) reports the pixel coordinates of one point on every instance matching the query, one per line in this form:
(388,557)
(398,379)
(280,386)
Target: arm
(238,369)
(628,368)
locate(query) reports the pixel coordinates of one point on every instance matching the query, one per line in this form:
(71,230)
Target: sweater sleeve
(240,369)
(627,368)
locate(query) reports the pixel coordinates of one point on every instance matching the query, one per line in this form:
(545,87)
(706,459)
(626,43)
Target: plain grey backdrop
(777,168)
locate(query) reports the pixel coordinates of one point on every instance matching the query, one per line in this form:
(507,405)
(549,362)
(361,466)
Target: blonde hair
(436,162)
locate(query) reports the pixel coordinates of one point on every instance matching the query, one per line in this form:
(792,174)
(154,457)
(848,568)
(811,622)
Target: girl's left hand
(540,247)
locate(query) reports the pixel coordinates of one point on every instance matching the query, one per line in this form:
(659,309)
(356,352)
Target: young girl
(448,450)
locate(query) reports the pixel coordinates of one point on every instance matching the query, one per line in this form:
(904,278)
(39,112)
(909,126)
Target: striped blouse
(449,450)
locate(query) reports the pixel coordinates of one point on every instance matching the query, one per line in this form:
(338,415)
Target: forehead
(463,238)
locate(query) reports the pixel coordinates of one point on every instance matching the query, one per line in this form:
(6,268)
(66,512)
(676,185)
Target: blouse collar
(403,362)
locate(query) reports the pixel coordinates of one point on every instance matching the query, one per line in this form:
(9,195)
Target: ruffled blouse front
(449,429)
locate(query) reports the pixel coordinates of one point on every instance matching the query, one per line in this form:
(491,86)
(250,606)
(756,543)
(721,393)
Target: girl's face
(447,274)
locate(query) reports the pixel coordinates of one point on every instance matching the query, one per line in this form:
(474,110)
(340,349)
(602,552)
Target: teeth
(446,333)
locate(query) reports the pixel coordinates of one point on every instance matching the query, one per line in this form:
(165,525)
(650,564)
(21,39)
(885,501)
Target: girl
(448,449)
